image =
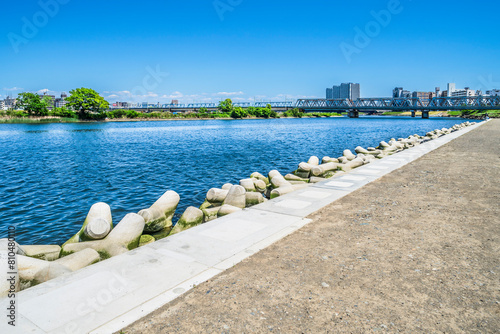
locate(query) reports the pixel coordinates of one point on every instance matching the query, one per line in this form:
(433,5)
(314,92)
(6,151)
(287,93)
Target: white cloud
(228,93)
(112,96)
(46,91)
(12,89)
(174,95)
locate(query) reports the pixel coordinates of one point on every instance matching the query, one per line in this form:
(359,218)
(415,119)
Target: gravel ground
(417,251)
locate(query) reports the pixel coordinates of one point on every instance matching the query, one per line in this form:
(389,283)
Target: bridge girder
(363,104)
(402,104)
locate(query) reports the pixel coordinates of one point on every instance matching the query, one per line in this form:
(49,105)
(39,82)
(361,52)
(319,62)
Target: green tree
(32,104)
(48,101)
(63,112)
(239,112)
(87,103)
(295,112)
(226,106)
(252,111)
(133,114)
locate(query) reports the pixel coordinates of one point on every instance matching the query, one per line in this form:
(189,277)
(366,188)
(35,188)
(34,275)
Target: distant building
(399,92)
(61,101)
(175,102)
(423,96)
(348,90)
(2,105)
(52,99)
(333,93)
(493,92)
(454,92)
(329,93)
(463,92)
(451,89)
(9,102)
(121,105)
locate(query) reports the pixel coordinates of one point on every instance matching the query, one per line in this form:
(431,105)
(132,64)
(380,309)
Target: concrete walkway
(417,250)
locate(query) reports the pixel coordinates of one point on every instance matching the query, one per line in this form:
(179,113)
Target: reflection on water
(87,130)
(35,131)
(52,173)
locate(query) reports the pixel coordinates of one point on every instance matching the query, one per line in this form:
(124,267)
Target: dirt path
(416,251)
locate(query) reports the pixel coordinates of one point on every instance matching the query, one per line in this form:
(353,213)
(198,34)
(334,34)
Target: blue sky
(197,51)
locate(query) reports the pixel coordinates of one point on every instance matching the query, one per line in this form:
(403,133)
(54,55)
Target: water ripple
(53,173)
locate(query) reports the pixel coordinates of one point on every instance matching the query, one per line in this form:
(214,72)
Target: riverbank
(52,119)
(46,120)
(468,114)
(49,119)
(416,250)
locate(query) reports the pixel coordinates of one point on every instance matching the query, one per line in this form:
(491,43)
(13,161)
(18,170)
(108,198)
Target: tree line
(87,104)
(83,103)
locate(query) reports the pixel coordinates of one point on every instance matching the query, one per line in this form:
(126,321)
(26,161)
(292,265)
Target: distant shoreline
(47,120)
(52,119)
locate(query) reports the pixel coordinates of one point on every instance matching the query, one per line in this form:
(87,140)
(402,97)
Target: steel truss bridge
(211,106)
(353,107)
(401,104)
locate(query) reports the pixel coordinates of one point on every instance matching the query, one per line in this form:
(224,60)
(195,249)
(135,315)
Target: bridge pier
(353,114)
(413,113)
(425,114)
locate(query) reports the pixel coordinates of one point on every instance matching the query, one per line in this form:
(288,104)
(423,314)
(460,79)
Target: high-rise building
(451,89)
(336,92)
(438,92)
(349,91)
(329,93)
(2,105)
(493,92)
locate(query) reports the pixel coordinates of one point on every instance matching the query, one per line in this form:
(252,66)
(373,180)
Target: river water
(52,173)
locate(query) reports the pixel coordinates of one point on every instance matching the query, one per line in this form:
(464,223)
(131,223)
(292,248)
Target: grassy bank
(18,116)
(417,114)
(458,113)
(36,120)
(475,113)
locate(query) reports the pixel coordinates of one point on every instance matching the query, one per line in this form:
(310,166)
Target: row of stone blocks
(98,240)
